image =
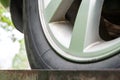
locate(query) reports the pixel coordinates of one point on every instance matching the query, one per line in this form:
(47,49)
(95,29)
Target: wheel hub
(72,28)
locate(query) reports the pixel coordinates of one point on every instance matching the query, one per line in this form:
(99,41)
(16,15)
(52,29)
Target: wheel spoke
(86,28)
(56,10)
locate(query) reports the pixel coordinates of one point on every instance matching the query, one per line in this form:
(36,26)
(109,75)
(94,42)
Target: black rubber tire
(16,11)
(40,53)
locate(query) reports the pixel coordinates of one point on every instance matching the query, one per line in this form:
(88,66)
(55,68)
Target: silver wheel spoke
(56,10)
(86,26)
(75,35)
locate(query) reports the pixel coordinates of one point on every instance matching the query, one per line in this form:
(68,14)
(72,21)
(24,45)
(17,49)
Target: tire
(43,56)
(16,14)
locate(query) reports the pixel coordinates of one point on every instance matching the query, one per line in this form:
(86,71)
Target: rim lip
(59,50)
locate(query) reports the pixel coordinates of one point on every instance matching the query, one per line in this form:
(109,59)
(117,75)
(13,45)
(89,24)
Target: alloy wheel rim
(80,42)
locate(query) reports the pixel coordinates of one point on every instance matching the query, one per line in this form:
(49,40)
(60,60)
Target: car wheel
(72,34)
